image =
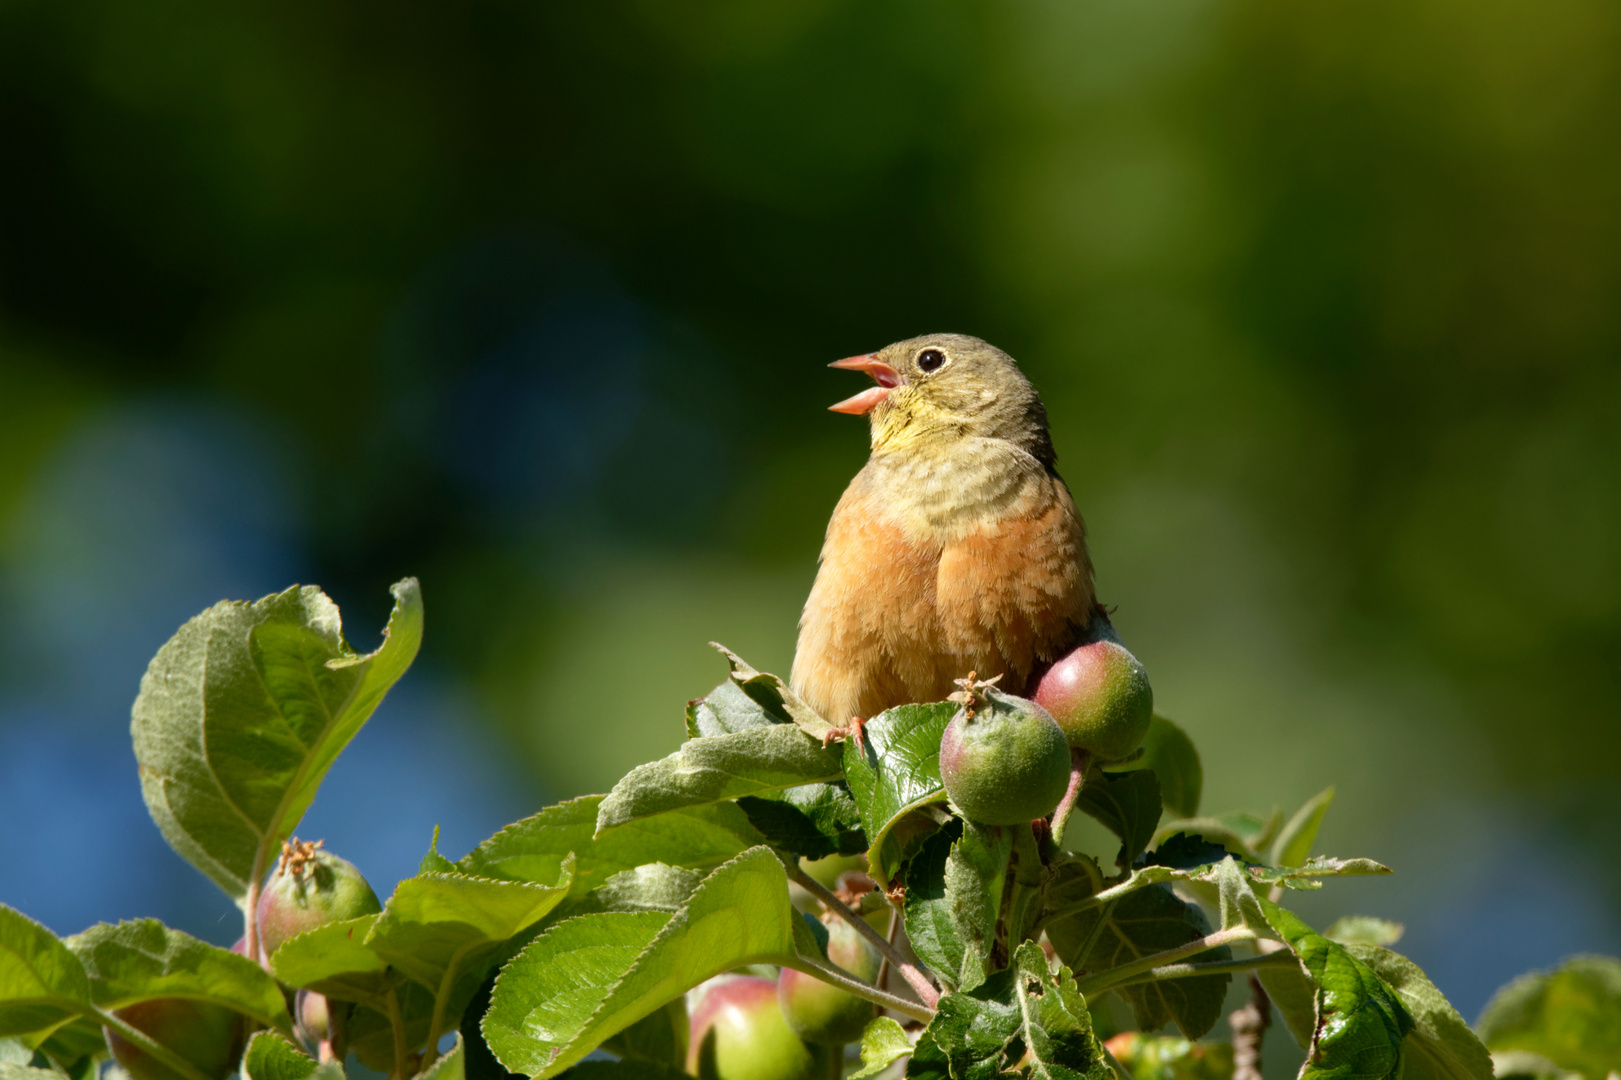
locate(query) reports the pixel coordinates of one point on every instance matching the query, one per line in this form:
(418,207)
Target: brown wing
(1015,593)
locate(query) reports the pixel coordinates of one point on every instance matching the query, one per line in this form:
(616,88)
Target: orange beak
(885,376)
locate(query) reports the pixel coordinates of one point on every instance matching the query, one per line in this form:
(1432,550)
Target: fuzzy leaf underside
(755,761)
(142,959)
(243,711)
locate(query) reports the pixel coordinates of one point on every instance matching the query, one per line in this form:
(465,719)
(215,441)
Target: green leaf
(271,1057)
(1127,804)
(433,862)
(451,1065)
(883,1042)
(654,887)
(1360,1023)
(371,1034)
(334,960)
(586,979)
(243,711)
(1140,924)
(143,959)
(774,696)
(754,761)
(1174,760)
(624,1070)
(1294,842)
(1024,1011)
(1363,930)
(894,775)
(1441,1045)
(696,838)
(660,1037)
(548,992)
(1571,1015)
(1514,1064)
(42,984)
(813,820)
(953,899)
(437,926)
(10,1070)
(75,1047)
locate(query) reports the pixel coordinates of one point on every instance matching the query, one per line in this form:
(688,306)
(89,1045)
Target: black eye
(930,359)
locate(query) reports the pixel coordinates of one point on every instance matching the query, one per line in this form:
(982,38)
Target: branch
(925,990)
(820,969)
(1249,1026)
(1214,967)
(1103,980)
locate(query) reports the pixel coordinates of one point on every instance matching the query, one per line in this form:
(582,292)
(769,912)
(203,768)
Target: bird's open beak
(886,377)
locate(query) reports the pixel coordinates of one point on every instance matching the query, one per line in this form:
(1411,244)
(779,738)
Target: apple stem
(1080,760)
(820,969)
(921,986)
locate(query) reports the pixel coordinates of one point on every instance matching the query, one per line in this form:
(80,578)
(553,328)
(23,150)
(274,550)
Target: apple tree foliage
(580,928)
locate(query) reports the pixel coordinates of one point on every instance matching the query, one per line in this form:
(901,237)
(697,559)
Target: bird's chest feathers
(938,499)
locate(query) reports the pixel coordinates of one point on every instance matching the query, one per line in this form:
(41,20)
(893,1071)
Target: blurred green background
(533,301)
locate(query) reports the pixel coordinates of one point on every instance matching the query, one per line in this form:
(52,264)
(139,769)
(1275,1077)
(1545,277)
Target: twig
(1214,967)
(820,969)
(925,990)
(1103,980)
(1249,1026)
(1120,1070)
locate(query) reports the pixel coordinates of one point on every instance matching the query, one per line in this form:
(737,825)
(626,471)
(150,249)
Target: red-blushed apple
(739,1033)
(209,1036)
(820,1013)
(1100,697)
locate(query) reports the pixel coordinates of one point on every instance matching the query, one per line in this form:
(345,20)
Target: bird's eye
(930,359)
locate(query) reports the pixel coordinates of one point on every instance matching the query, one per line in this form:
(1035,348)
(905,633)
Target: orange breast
(893,618)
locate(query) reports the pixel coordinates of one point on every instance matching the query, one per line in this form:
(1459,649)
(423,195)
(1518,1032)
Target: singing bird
(957,547)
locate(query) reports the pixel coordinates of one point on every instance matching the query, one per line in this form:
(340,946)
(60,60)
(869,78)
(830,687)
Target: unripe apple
(1100,696)
(1004,761)
(209,1036)
(310,888)
(824,1014)
(739,1033)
